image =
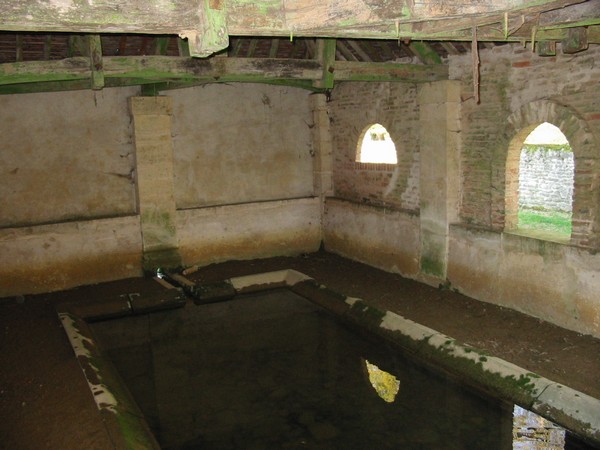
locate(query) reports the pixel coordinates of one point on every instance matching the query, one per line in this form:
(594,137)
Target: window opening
(376,146)
(546,173)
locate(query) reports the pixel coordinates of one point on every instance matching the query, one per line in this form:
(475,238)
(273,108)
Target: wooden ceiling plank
(413,73)
(235,47)
(341,44)
(252,48)
(274,48)
(209,27)
(19,48)
(369,49)
(357,48)
(386,53)
(312,51)
(424,52)
(161,45)
(183,47)
(47,46)
(339,56)
(142,50)
(123,45)
(450,48)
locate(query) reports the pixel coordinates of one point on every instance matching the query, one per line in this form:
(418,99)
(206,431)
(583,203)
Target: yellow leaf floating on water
(385,384)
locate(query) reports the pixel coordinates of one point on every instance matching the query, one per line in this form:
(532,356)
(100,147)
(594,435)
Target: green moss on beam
(425,53)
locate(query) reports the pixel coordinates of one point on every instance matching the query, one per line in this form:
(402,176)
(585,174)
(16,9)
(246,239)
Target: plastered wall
(76,177)
(256,135)
(245,183)
(65,156)
(243,172)
(67,191)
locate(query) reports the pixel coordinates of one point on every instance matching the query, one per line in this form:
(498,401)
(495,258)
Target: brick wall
(518,91)
(354,107)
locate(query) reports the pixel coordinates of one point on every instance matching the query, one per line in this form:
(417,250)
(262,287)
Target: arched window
(545,193)
(376,146)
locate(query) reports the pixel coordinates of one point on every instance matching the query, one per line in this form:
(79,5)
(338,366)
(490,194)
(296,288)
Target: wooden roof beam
(207,23)
(138,70)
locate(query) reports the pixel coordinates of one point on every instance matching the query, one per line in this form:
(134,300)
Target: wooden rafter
(274,48)
(47,46)
(359,51)
(450,48)
(19,47)
(345,51)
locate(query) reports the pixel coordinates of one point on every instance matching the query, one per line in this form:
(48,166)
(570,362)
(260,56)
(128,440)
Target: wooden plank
(346,51)
(450,48)
(161,45)
(274,48)
(424,52)
(47,46)
(338,55)
(96,65)
(123,45)
(326,55)
(209,35)
(235,47)
(356,47)
(579,16)
(159,68)
(546,48)
(119,70)
(207,23)
(144,45)
(575,41)
(19,48)
(386,52)
(252,48)
(183,47)
(414,73)
(311,49)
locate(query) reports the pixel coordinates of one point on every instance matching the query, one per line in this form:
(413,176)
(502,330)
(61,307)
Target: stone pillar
(439,123)
(322,147)
(154,176)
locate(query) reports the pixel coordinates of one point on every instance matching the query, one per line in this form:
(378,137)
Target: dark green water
(273,371)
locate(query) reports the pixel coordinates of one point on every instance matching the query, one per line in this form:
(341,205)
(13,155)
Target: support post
(439,110)
(322,149)
(94,49)
(326,56)
(155,186)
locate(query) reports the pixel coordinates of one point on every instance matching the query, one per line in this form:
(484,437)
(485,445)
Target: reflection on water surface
(274,371)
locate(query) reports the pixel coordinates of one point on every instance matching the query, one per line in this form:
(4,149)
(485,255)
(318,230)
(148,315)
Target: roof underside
(66,44)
